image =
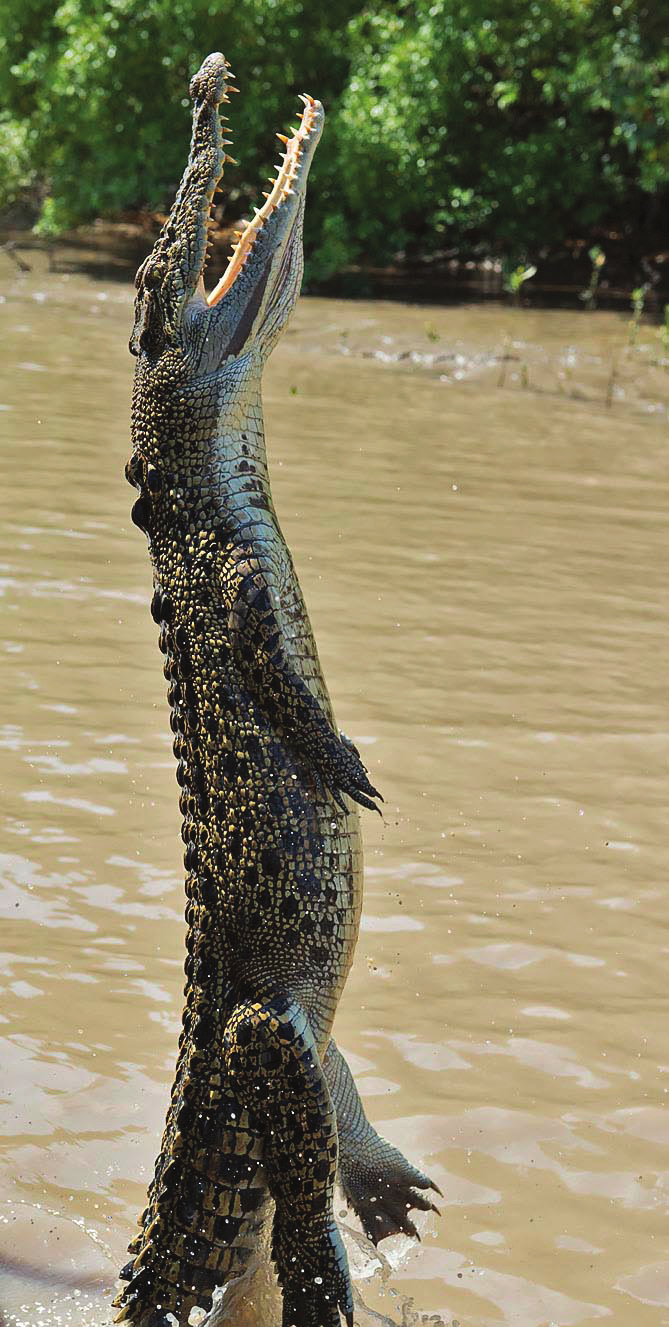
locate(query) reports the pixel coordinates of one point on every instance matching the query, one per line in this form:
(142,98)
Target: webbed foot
(378,1182)
(382,1195)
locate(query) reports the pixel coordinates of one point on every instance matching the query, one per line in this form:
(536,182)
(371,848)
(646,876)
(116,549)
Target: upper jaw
(258,289)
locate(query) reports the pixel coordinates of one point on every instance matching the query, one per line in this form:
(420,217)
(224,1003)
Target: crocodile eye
(154,274)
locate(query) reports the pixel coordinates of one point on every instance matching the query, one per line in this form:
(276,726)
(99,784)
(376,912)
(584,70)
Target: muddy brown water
(476,500)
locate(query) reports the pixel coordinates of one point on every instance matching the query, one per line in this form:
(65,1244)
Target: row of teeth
(281,189)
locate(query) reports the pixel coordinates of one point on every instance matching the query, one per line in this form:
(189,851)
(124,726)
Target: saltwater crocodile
(263,1110)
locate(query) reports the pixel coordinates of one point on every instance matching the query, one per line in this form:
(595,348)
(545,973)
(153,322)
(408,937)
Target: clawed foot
(350,776)
(313,1273)
(382,1195)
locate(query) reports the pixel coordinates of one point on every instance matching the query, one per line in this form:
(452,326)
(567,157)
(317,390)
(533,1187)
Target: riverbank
(114,250)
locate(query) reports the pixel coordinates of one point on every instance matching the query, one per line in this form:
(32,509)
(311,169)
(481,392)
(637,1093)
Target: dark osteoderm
(263,1108)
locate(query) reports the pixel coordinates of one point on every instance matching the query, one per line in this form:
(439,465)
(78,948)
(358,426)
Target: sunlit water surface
(476,500)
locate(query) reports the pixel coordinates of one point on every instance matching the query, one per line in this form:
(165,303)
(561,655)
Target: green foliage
(664,331)
(16,157)
(99,91)
(637,300)
(597,260)
(451,122)
(510,122)
(515,278)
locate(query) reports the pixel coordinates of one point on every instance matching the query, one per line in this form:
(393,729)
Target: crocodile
(264,1113)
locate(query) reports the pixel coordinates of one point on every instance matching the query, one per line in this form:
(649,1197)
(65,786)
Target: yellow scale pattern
(267,791)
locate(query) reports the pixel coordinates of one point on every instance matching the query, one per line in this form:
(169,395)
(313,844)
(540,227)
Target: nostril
(209,83)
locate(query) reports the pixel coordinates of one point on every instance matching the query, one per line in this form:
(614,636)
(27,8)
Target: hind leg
(378,1182)
(273,1061)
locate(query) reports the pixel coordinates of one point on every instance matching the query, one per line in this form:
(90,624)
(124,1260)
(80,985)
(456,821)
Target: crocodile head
(177,324)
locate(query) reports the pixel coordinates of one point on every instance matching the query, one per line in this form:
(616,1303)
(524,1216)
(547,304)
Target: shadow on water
(110,251)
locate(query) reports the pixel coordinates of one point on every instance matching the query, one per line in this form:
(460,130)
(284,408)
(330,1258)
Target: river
(476,499)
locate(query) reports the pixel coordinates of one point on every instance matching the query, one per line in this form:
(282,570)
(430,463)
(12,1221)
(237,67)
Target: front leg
(257,640)
(273,1061)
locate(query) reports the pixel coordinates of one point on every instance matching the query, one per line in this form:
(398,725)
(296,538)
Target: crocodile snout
(209,83)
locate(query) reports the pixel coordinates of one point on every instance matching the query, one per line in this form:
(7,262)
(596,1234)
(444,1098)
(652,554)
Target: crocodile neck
(217,458)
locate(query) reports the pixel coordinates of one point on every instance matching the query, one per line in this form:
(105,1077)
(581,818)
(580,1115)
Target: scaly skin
(268,787)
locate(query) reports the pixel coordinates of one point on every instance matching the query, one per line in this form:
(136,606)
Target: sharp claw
(423,1204)
(338,799)
(363,800)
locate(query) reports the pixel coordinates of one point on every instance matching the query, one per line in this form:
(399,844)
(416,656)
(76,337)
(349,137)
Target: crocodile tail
(207,1204)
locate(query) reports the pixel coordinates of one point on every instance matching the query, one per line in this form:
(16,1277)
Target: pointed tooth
(282,138)
(230,89)
(232,160)
(265,195)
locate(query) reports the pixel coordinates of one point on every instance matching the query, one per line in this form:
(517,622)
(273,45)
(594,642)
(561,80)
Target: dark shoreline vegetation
(112,250)
(511,137)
